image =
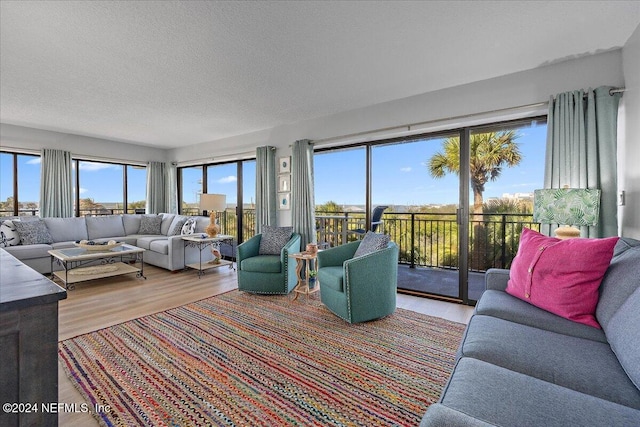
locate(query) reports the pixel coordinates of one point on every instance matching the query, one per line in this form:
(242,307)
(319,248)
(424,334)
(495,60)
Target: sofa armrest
(496,279)
(248,249)
(335,257)
(439,415)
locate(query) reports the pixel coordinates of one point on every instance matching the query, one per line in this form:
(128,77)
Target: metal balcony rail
(431,239)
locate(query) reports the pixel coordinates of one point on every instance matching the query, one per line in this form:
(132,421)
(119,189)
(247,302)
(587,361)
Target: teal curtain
(303,214)
(265,187)
(581,150)
(156,184)
(56,184)
(171,192)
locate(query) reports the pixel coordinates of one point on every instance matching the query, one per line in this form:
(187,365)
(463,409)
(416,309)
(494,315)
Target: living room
(127,83)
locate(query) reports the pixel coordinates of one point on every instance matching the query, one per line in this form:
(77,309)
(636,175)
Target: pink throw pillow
(561,276)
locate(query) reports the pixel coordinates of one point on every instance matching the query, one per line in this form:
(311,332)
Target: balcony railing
(431,239)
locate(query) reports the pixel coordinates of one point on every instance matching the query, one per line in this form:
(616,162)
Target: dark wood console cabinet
(28,344)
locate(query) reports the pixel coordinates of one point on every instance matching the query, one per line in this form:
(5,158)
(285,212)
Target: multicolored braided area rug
(245,360)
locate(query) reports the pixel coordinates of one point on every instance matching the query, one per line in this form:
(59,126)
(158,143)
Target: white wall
(629,142)
(29,139)
(513,90)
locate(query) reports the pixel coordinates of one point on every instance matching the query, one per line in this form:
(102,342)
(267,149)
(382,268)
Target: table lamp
(212,203)
(567,207)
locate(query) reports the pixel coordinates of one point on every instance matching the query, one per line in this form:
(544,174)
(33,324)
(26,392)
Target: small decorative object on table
(312,248)
(312,279)
(90,245)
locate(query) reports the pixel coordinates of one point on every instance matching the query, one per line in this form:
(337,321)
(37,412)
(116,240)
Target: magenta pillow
(561,276)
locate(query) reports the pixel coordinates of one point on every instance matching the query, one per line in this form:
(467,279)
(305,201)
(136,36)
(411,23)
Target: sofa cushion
(623,332)
(67,229)
(273,239)
(167,220)
(150,224)
(23,252)
(144,242)
(99,227)
(9,235)
(506,398)
(620,280)
(262,264)
(504,306)
(160,246)
(372,242)
(561,276)
(33,232)
(332,277)
(131,223)
(582,365)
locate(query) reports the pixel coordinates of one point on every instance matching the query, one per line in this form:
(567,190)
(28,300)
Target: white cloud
(83,190)
(227,179)
(34,161)
(406,169)
(92,166)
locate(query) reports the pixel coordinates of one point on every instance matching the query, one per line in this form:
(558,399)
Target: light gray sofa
(162,250)
(519,365)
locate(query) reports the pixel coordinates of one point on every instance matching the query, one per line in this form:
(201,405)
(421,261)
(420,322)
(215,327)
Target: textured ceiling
(170,74)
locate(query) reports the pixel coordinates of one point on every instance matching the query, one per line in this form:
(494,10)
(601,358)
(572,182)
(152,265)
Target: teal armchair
(267,274)
(362,288)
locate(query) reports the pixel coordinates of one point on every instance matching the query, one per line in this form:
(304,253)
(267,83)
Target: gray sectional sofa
(164,249)
(519,365)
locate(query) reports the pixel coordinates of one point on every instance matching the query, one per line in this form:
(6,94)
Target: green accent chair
(267,274)
(362,288)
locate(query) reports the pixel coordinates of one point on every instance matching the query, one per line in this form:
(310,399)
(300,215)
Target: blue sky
(400,176)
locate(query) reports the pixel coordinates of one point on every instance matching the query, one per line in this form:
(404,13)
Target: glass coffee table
(81,265)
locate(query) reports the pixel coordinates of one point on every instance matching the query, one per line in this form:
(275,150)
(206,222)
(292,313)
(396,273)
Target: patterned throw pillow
(9,235)
(33,232)
(372,242)
(150,224)
(189,226)
(177,228)
(273,239)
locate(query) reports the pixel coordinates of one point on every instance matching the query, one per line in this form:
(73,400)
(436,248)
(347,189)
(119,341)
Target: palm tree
(490,152)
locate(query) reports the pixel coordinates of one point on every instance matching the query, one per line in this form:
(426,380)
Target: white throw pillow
(9,235)
(189,227)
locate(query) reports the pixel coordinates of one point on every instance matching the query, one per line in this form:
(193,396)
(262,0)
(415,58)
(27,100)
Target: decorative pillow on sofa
(372,242)
(176,225)
(150,224)
(273,239)
(561,276)
(189,227)
(9,235)
(33,232)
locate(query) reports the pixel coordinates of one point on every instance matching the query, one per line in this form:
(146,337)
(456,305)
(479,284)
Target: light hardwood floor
(98,304)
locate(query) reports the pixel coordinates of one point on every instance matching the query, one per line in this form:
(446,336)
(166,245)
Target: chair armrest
(248,249)
(335,257)
(496,279)
(377,271)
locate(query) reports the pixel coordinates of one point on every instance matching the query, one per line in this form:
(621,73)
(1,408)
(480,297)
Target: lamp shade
(566,206)
(213,202)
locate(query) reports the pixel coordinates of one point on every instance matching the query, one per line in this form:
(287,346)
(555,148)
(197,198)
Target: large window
(108,188)
(422,180)
(236,180)
(19,184)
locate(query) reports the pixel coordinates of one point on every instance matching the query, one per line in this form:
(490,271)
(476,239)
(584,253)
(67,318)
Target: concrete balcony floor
(437,281)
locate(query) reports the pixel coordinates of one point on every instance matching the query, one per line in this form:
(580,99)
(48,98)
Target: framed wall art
(284,183)
(284,164)
(284,202)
